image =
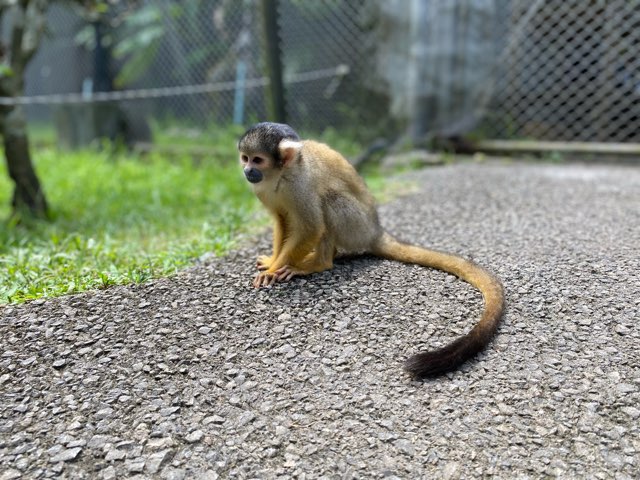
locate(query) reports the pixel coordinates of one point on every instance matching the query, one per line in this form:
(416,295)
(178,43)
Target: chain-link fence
(542,69)
(200,63)
(570,70)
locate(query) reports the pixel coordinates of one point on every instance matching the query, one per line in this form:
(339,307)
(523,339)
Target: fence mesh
(570,71)
(565,69)
(325,35)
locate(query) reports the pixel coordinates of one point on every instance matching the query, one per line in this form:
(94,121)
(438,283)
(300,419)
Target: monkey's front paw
(264,279)
(264,262)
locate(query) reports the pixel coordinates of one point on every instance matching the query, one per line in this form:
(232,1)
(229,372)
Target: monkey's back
(349,209)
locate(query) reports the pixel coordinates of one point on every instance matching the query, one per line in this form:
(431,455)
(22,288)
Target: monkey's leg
(319,260)
(265,261)
(295,248)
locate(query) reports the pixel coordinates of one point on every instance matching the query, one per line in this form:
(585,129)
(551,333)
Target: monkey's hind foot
(283,274)
(264,262)
(287,272)
(264,279)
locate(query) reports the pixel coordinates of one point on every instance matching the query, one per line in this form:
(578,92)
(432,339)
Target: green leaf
(5,70)
(136,66)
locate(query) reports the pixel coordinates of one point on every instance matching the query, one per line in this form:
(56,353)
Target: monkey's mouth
(253,175)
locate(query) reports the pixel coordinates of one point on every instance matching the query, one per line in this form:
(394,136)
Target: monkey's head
(266,148)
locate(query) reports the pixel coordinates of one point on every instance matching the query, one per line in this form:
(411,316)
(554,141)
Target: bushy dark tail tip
(426,365)
(446,359)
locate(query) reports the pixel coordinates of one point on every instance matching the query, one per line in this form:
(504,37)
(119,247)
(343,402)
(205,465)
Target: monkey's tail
(436,362)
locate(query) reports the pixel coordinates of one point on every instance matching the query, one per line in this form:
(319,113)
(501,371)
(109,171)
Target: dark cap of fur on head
(265,137)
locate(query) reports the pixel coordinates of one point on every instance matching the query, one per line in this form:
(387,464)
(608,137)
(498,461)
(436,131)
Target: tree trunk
(26,25)
(28,195)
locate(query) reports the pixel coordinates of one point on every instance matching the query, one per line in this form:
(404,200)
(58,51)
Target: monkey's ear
(289,150)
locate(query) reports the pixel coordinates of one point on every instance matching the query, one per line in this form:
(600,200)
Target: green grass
(213,136)
(119,218)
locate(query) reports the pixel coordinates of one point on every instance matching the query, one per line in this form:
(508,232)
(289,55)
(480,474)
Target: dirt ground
(202,376)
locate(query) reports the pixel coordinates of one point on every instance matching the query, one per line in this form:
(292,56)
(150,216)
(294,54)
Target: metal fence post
(273,62)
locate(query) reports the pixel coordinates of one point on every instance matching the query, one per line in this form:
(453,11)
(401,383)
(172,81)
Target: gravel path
(201,376)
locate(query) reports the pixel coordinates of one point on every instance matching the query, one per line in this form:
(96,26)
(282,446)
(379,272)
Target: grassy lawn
(120,218)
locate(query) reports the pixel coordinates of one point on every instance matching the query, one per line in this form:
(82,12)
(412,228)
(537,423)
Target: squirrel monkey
(322,207)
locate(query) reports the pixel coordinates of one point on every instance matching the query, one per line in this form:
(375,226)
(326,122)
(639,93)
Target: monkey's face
(254,166)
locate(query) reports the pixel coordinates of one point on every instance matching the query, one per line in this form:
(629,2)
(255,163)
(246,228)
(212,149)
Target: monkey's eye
(258,160)
(244,159)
